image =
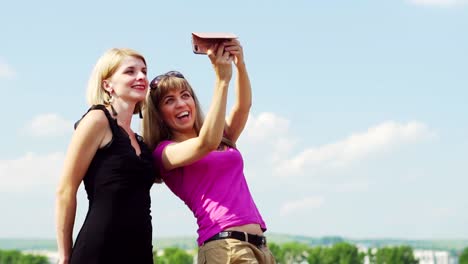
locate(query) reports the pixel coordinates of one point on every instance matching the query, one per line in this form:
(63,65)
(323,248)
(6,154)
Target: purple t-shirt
(215,189)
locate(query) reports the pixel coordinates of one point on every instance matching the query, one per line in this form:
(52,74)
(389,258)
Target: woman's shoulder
(94,118)
(161,145)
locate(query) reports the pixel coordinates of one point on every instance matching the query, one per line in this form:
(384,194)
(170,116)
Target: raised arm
(190,150)
(237,119)
(86,139)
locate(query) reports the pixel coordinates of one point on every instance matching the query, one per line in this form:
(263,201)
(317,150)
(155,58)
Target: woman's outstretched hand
(222,61)
(235,49)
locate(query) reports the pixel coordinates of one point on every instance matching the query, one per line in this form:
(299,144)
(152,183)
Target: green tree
(395,255)
(315,255)
(463,257)
(347,253)
(340,253)
(32,259)
(16,257)
(292,252)
(371,255)
(9,256)
(173,255)
(275,250)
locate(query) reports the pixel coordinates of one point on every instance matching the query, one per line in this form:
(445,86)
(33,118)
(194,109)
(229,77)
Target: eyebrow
(134,67)
(183,90)
(166,97)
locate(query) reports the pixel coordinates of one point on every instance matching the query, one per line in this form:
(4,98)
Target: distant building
(434,257)
(424,256)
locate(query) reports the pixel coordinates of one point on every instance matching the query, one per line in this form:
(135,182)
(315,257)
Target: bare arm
(237,119)
(183,153)
(86,139)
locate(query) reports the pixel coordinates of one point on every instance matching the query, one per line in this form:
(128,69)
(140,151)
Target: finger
(219,52)
(226,55)
(211,51)
(232,42)
(232,47)
(235,48)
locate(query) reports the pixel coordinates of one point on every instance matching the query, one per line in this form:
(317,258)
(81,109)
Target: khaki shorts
(231,250)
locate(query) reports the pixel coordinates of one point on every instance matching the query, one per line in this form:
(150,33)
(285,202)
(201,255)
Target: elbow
(64,193)
(60,191)
(212,144)
(243,107)
(247,106)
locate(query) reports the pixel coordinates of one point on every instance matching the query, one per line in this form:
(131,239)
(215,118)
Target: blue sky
(359,119)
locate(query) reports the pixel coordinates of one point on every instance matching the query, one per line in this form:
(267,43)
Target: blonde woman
(115,166)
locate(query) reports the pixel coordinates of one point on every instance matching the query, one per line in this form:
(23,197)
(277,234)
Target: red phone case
(202,41)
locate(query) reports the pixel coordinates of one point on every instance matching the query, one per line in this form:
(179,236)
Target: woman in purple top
(199,162)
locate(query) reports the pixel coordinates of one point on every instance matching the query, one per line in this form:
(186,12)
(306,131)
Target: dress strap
(112,122)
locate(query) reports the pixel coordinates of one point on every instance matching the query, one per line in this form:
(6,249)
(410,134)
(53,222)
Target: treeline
(343,253)
(287,253)
(293,252)
(173,255)
(16,257)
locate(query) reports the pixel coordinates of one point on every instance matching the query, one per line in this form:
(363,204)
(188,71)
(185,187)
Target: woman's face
(178,111)
(129,82)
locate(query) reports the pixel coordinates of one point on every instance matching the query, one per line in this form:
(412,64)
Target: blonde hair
(154,128)
(105,67)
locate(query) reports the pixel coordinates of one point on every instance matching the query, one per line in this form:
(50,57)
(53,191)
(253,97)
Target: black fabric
(117,228)
(256,240)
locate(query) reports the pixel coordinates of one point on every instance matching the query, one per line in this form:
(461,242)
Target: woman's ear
(107,85)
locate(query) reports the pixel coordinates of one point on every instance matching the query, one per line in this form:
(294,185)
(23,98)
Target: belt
(256,240)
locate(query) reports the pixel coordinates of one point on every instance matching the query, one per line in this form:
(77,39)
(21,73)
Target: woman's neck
(123,113)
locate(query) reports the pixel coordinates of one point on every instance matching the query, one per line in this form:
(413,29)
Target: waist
(256,240)
(254,229)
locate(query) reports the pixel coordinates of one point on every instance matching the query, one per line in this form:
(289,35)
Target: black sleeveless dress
(117,228)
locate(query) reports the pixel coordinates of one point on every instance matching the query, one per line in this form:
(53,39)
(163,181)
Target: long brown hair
(154,128)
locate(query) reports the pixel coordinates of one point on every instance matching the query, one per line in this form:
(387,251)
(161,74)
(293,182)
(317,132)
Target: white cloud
(30,172)
(353,186)
(48,125)
(6,71)
(357,146)
(304,205)
(265,126)
(439,3)
(271,132)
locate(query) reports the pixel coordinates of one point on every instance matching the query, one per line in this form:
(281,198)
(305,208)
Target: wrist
(241,66)
(222,82)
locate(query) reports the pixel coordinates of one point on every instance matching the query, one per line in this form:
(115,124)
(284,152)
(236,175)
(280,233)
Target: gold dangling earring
(114,113)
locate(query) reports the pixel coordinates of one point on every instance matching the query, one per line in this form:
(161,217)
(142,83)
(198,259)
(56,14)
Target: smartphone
(202,41)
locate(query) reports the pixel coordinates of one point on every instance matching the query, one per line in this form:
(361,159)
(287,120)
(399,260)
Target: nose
(141,75)
(179,102)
